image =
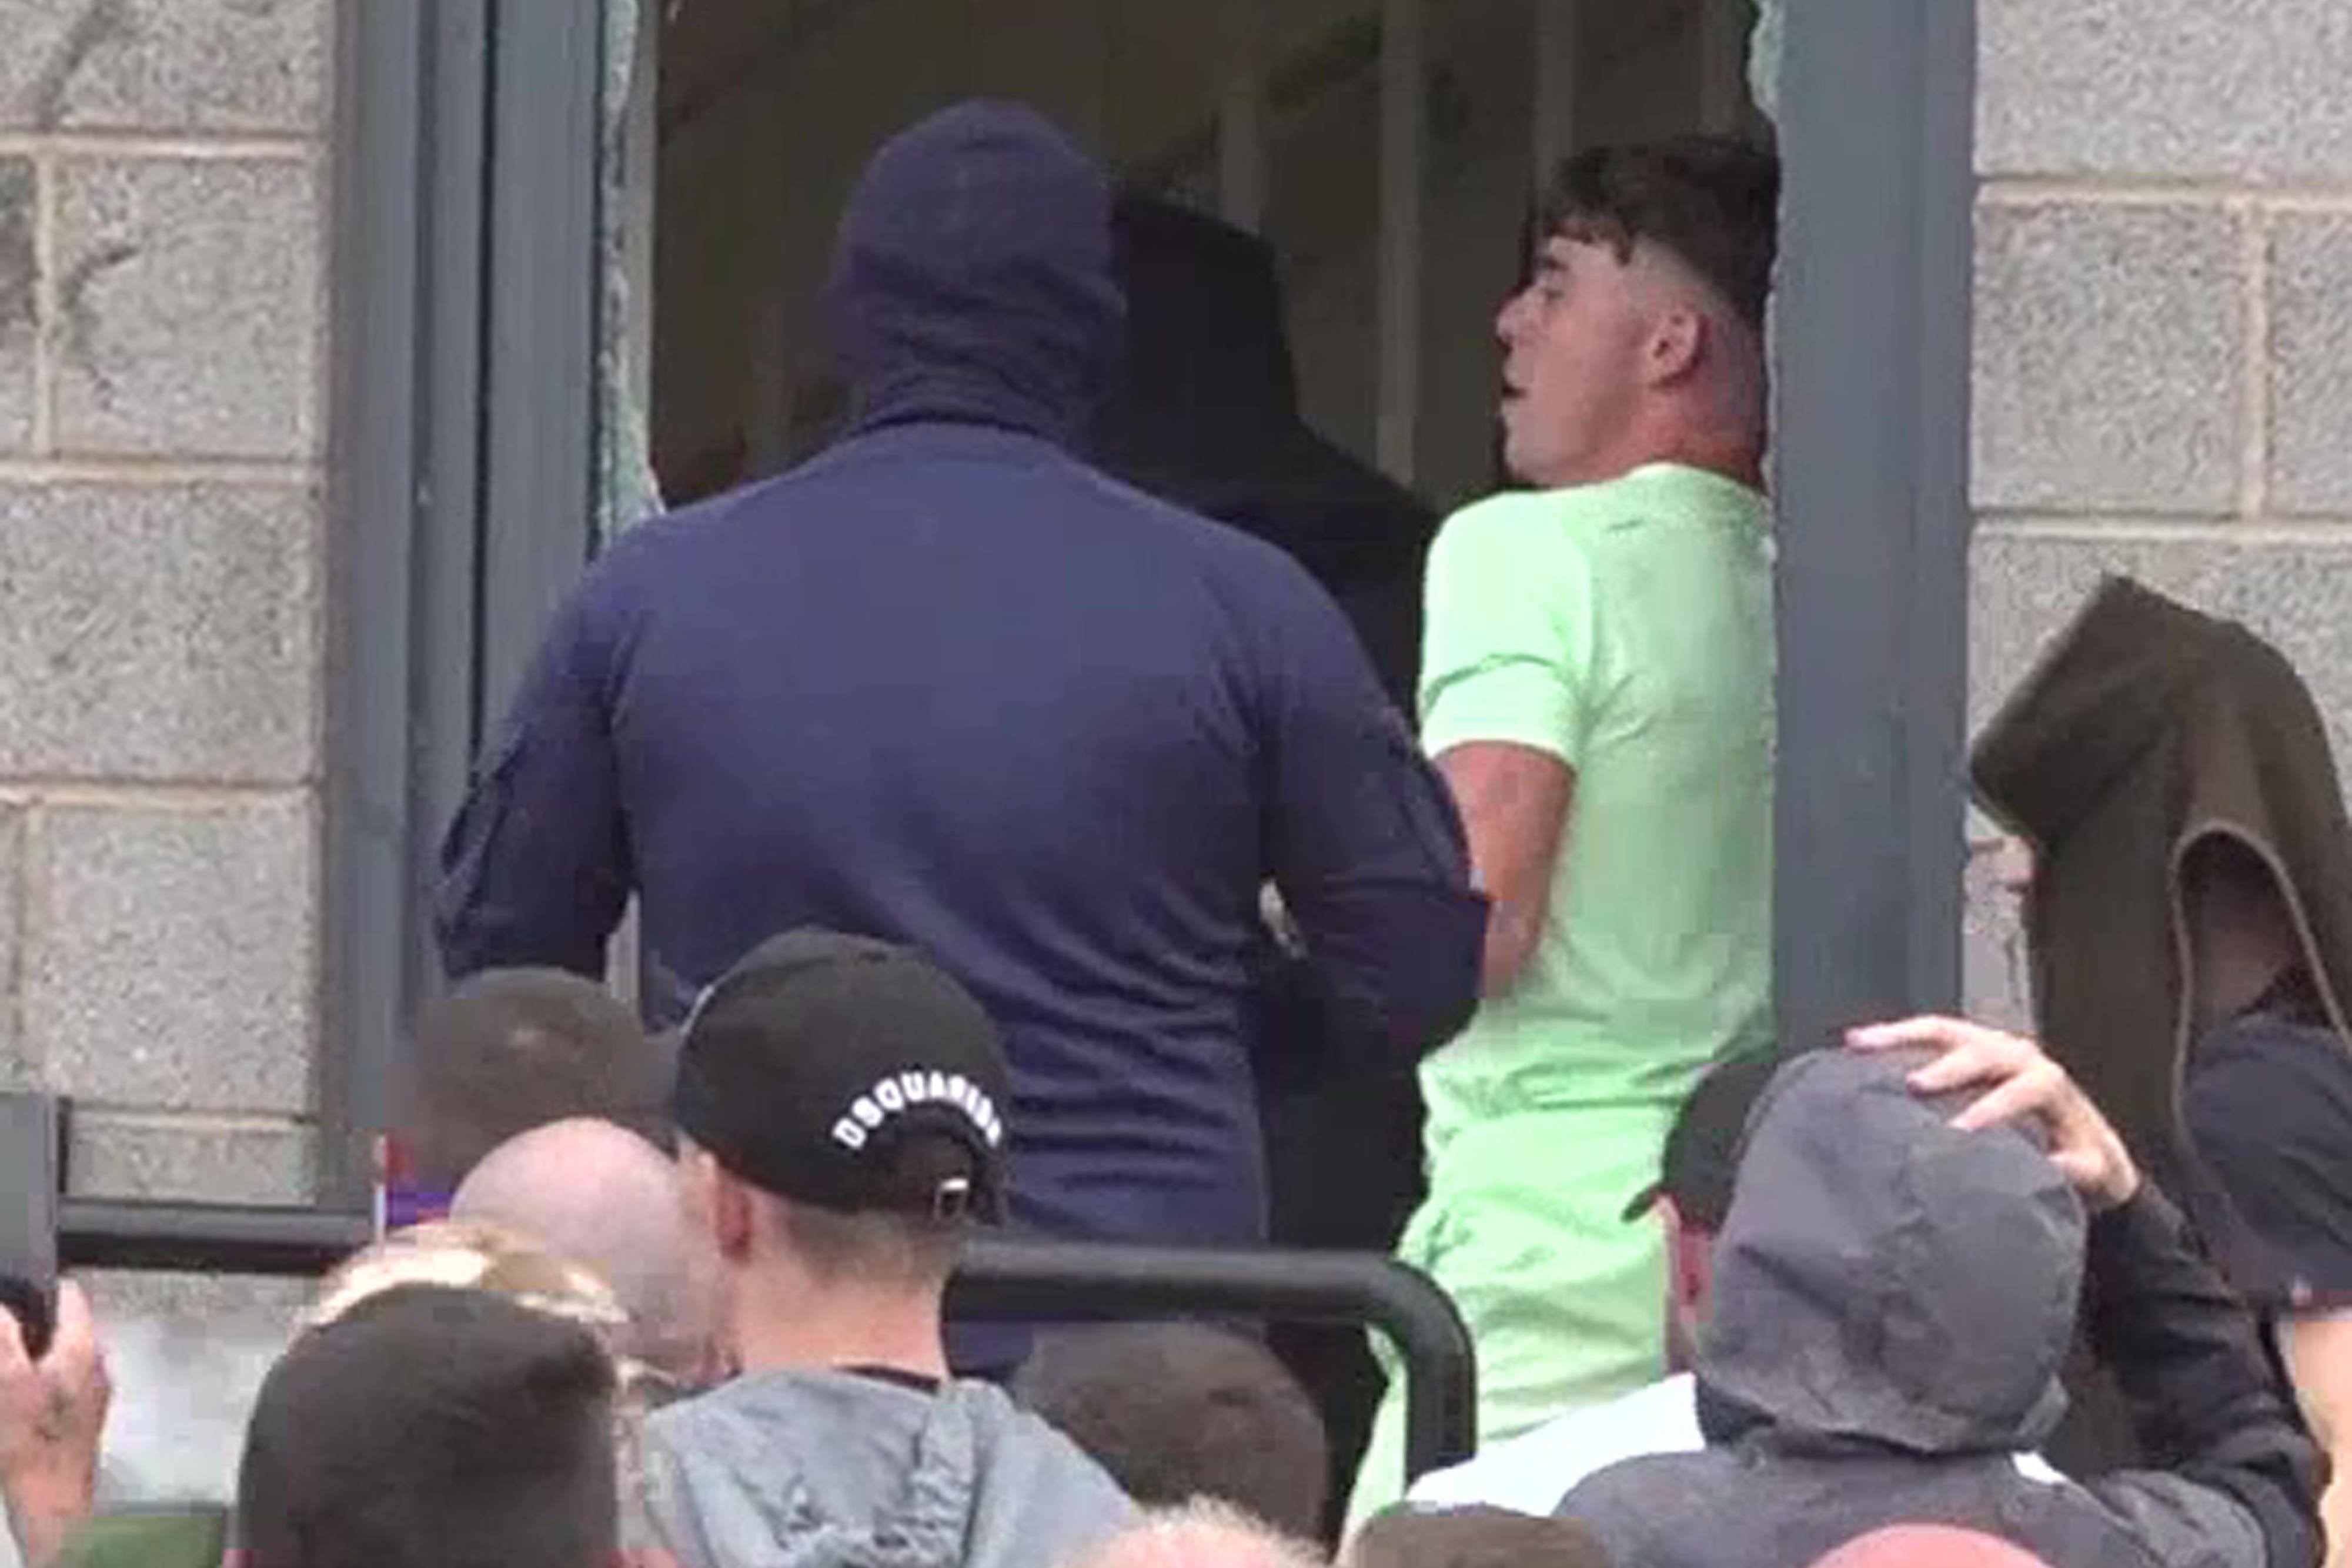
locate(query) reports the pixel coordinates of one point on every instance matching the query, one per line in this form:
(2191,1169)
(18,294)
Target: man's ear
(714,1202)
(1677,346)
(733,1214)
(1689,1257)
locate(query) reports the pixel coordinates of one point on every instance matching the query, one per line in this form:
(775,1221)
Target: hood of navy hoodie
(972,277)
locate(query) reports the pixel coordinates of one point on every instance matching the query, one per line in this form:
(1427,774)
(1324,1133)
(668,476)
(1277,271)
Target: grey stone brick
(2108,355)
(158,633)
(2027,587)
(179,1308)
(113,1155)
(16,1068)
(2310,365)
(2232,89)
(173,959)
(164,65)
(19,328)
(190,308)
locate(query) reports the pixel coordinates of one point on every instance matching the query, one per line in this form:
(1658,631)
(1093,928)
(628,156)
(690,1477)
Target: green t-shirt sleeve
(1509,653)
(192,1537)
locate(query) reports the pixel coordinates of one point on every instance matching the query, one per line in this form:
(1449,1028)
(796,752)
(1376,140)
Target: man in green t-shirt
(1597,688)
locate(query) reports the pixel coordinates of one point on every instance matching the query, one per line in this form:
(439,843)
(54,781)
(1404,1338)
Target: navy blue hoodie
(947,686)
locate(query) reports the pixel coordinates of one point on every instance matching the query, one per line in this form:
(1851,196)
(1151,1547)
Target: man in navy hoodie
(949,687)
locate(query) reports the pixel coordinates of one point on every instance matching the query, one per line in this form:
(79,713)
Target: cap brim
(1644,1200)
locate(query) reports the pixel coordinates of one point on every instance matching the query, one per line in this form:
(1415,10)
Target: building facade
(2160,372)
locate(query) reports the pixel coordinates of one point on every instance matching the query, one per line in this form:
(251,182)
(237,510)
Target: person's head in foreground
(1693,1194)
(840,1107)
(1176,1411)
(511,1049)
(1640,337)
(433,1428)
(1928,1546)
(1934,1267)
(1896,1290)
(1471,1538)
(605,1199)
(2191,853)
(1200,1534)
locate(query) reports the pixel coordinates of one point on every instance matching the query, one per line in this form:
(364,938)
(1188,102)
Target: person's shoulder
(2172,1519)
(1519,530)
(638,569)
(1641,1510)
(1521,518)
(2269,1041)
(1177,532)
(667,537)
(2268,1105)
(1020,1437)
(1517,541)
(1042,1495)
(2264,1079)
(1637,1480)
(783,1401)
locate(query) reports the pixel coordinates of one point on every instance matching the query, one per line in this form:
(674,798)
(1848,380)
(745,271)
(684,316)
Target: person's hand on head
(52,1414)
(2020,1081)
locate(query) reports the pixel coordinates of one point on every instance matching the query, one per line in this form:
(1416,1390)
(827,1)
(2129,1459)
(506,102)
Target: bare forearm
(1512,933)
(1514,802)
(2319,1363)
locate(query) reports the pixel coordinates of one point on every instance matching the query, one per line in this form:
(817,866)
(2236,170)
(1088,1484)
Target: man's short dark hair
(511,1049)
(1712,200)
(433,1428)
(892,1248)
(1178,1411)
(1473,1538)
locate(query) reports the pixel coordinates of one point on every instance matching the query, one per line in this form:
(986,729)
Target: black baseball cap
(1702,1153)
(850,1073)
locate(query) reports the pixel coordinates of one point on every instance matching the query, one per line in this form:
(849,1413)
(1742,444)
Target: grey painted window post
(465,417)
(1875,100)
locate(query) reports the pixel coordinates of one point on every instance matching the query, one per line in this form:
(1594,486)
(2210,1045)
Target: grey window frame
(464,417)
(1871,367)
(467,158)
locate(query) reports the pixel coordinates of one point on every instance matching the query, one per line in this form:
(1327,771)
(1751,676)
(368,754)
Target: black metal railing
(999,1278)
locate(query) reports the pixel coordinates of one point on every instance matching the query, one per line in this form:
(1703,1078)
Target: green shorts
(1525,1227)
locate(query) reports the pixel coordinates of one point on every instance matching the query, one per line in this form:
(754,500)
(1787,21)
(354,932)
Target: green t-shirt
(192,1537)
(1626,629)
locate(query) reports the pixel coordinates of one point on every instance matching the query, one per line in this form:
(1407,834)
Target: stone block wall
(2163,356)
(163,243)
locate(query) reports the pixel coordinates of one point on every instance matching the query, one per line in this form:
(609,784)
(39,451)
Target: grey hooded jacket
(1893,1300)
(842,1469)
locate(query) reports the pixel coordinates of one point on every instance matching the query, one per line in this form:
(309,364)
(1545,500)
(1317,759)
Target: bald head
(1928,1546)
(601,1196)
(1200,1535)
